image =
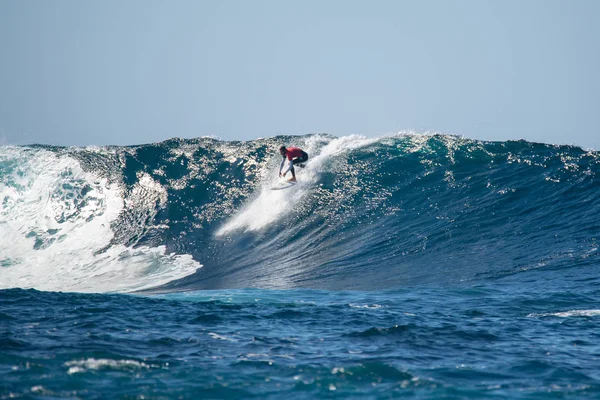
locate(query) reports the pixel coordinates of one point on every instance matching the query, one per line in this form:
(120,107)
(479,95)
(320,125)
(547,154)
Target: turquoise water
(407,266)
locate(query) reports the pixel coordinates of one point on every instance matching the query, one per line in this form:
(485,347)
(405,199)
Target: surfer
(295,156)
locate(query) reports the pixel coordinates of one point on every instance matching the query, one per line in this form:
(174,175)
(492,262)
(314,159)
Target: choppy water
(404,266)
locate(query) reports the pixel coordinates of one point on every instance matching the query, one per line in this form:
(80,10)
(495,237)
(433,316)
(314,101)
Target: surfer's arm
(290,164)
(281,166)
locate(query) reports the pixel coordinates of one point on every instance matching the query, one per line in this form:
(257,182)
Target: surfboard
(283,185)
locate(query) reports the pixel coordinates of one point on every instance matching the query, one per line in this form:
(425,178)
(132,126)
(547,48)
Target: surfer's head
(282,150)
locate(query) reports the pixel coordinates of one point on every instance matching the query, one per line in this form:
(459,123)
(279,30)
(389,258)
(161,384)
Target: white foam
(566,314)
(79,366)
(54,221)
(366,306)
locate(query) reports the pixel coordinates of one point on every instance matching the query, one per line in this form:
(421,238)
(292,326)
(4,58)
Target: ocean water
(405,266)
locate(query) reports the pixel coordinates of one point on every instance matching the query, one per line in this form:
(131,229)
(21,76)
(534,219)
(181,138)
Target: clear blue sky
(78,72)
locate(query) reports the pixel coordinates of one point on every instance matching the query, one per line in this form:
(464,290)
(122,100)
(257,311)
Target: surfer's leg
(293,178)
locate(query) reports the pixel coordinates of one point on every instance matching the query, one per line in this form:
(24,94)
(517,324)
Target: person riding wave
(295,156)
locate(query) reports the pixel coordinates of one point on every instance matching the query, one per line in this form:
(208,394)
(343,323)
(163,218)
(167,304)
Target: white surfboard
(283,185)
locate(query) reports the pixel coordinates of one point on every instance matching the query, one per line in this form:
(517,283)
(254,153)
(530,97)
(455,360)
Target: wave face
(367,214)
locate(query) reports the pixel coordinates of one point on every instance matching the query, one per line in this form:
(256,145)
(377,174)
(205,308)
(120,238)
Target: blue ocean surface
(404,266)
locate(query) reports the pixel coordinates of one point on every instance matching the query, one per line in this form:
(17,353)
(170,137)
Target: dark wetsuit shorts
(301,159)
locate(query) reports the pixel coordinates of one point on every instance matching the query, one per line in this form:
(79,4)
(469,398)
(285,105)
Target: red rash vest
(293,152)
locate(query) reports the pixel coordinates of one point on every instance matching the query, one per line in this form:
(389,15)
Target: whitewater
(413,265)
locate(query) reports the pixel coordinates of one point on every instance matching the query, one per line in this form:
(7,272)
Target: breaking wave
(368,213)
